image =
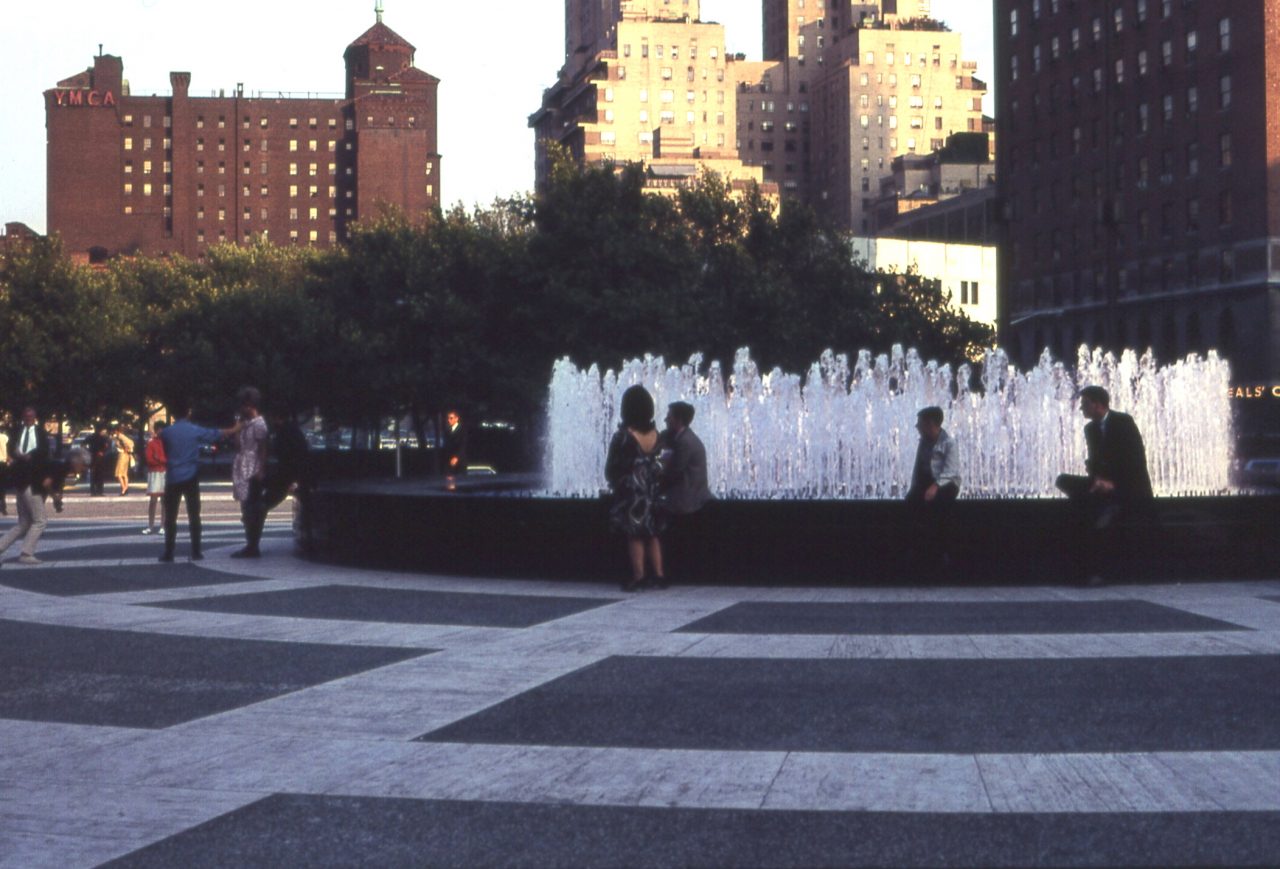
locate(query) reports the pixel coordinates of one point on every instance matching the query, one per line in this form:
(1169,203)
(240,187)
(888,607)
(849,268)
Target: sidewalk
(279,713)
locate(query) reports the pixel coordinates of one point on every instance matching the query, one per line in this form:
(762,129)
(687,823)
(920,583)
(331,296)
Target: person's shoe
(633,585)
(247,552)
(197,556)
(57,505)
(657,582)
(148,531)
(29,559)
(167,557)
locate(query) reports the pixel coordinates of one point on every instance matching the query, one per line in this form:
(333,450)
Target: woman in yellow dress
(124,457)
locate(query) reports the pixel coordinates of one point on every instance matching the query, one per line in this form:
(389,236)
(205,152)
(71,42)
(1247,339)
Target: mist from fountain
(846,432)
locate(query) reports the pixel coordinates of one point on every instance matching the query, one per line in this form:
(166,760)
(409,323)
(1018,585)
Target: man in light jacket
(935,484)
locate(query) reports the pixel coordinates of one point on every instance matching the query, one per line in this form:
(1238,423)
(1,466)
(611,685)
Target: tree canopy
(464,309)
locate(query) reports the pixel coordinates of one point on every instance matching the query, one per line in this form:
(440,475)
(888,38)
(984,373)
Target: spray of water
(849,432)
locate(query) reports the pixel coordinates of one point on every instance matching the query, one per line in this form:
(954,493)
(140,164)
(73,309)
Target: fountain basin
(498,527)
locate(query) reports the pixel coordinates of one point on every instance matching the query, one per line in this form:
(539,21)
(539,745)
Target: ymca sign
(84,98)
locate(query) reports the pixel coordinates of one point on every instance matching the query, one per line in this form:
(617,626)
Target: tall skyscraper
(843,89)
(157,174)
(644,81)
(1139,156)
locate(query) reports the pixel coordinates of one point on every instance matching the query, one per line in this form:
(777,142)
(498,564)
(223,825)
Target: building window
(1166,52)
(313,213)
(1224,92)
(128,188)
(293,168)
(128,143)
(293,144)
(1191,45)
(293,214)
(1224,34)
(1224,208)
(1224,150)
(312,169)
(263,123)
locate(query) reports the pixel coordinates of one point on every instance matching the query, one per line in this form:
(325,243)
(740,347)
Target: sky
(490,82)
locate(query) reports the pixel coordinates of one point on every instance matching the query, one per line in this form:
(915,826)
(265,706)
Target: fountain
(848,433)
(810,474)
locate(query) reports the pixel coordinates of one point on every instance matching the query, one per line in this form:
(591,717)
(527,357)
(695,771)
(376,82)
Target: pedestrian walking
(29,455)
(156,465)
(249,471)
(52,480)
(124,457)
(182,442)
(97,445)
(455,444)
(4,465)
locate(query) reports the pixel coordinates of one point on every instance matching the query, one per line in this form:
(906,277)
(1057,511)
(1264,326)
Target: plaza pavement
(282,713)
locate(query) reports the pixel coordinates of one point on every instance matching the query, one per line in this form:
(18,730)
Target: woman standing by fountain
(633,468)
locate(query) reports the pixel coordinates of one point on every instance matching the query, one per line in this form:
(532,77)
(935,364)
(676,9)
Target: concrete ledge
(489,527)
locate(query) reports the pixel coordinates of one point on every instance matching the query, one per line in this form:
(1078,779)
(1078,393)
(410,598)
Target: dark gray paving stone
(1272,598)
(67,582)
(936,706)
(128,679)
(142,547)
(291,830)
(354,603)
(997,617)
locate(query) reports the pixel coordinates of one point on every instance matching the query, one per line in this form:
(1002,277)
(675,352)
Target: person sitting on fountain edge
(684,476)
(1117,487)
(935,485)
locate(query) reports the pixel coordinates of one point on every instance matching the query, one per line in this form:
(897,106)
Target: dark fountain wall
(479,530)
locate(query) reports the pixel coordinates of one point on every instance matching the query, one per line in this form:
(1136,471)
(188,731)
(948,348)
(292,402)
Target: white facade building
(967,271)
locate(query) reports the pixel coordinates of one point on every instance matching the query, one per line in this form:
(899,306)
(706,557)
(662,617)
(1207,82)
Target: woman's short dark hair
(637,408)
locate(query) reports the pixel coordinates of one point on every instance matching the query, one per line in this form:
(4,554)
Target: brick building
(174,174)
(845,87)
(1139,155)
(644,81)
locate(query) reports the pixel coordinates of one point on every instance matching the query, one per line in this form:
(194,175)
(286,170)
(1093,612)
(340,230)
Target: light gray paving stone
(597,776)
(1235,781)
(110,810)
(288,764)
(932,783)
(1114,782)
(23,850)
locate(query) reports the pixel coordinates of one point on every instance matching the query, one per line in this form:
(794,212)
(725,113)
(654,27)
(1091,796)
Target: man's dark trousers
(189,489)
(930,525)
(253,514)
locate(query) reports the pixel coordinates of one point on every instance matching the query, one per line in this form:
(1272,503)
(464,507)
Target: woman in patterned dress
(633,468)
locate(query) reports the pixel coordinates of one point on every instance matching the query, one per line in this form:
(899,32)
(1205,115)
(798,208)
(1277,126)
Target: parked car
(1261,472)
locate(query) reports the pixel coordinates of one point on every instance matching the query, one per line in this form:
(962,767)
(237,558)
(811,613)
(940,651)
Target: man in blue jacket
(182,442)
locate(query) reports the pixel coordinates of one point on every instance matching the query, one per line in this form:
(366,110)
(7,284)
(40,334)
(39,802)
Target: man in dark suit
(455,445)
(29,453)
(684,475)
(1117,487)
